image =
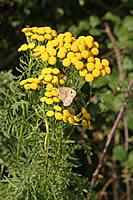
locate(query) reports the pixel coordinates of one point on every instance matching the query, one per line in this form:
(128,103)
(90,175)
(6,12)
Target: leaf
(114,79)
(95,32)
(127,63)
(100,82)
(128,23)
(94,21)
(117,102)
(120,153)
(130,157)
(111,17)
(130,120)
(83,25)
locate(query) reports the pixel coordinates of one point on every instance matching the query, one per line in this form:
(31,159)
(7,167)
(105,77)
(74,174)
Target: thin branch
(126,147)
(119,116)
(106,55)
(116,50)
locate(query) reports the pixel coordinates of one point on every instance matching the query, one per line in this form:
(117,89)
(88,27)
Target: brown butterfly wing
(62,93)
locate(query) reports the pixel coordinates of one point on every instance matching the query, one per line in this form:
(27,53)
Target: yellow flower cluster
(30,83)
(66,52)
(51,95)
(68,117)
(39,33)
(51,75)
(25,47)
(86,118)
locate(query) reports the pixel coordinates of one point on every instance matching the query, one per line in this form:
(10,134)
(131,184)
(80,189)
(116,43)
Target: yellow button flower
(79,65)
(51,51)
(61,54)
(49,101)
(70,55)
(66,62)
(56,71)
(95,44)
(58,116)
(103,73)
(48,29)
(71,120)
(34,36)
(36,80)
(83,72)
(97,60)
(68,39)
(31,45)
(74,59)
(46,71)
(95,51)
(61,81)
(56,99)
(84,123)
(30,80)
(90,66)
(88,124)
(41,77)
(96,73)
(55,43)
(54,92)
(48,36)
(76,119)
(90,38)
(48,77)
(27,86)
(68,34)
(65,118)
(74,48)
(23,47)
(28,34)
(87,115)
(40,38)
(85,54)
(49,87)
(34,86)
(105,62)
(88,43)
(83,110)
(78,55)
(44,56)
(53,33)
(23,82)
(43,99)
(89,78)
(82,47)
(98,65)
(57,108)
(55,80)
(48,94)
(108,70)
(91,60)
(67,45)
(50,113)
(66,113)
(52,60)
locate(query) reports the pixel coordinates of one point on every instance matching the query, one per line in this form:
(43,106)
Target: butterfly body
(67,95)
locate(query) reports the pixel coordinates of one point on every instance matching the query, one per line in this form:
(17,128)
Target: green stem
(70,133)
(19,140)
(30,67)
(46,146)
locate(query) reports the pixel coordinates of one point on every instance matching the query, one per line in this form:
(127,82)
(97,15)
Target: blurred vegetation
(81,17)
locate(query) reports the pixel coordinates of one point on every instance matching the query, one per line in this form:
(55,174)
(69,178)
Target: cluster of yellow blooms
(67,116)
(59,52)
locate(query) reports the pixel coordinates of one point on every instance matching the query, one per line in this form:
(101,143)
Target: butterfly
(67,95)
